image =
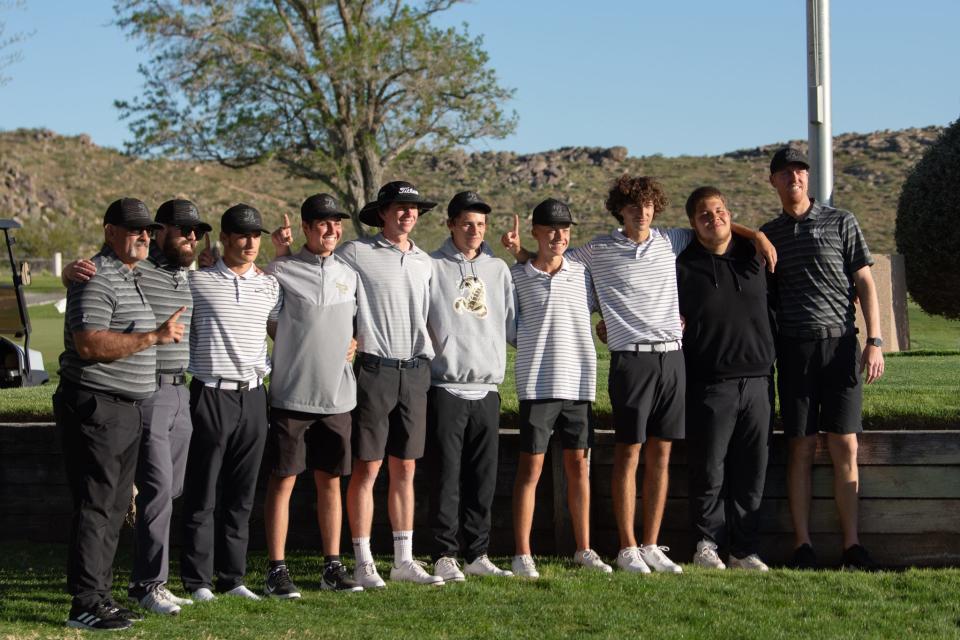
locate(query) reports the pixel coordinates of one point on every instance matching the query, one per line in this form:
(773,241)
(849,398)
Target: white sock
(402,547)
(361,550)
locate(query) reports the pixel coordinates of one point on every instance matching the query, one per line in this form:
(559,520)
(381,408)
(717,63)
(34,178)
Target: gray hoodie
(473,315)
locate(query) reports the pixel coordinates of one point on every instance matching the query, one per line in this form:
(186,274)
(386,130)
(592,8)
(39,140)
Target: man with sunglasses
(107,373)
(166,414)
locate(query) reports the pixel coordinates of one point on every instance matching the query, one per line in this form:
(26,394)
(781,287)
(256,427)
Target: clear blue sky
(684,77)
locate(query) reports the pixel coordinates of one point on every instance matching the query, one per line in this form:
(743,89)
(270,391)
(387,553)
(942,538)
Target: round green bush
(928,227)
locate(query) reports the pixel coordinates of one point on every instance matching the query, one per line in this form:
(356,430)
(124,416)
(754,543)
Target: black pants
(461,457)
(728,427)
(101,435)
(229,431)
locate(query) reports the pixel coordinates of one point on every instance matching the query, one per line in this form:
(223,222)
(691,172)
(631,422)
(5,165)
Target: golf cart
(19,366)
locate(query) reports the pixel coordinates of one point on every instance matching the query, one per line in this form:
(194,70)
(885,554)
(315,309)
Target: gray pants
(160,468)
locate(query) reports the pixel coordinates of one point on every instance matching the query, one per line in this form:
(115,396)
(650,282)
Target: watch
(876,342)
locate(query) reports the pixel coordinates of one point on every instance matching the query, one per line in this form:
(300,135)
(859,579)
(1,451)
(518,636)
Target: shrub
(928,226)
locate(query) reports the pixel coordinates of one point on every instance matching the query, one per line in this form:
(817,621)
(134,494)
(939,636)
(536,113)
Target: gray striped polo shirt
(112,300)
(394,298)
(228,338)
(314,329)
(636,285)
(817,256)
(556,358)
(168,288)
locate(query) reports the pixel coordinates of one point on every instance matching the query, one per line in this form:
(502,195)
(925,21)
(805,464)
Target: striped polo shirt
(394,300)
(112,300)
(817,256)
(556,358)
(168,288)
(636,285)
(228,339)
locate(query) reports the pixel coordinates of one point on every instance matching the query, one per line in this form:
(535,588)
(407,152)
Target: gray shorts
(391,414)
(572,420)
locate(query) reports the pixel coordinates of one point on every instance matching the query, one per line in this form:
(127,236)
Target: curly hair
(636,190)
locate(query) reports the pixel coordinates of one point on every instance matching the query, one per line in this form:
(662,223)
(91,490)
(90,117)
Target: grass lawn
(919,390)
(564,603)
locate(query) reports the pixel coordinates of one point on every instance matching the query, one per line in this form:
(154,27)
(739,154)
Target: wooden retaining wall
(909,515)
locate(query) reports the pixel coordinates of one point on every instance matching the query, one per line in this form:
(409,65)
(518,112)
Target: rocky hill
(59,186)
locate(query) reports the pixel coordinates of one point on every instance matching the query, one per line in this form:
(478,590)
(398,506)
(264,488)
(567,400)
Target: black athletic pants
(101,435)
(728,427)
(461,457)
(229,432)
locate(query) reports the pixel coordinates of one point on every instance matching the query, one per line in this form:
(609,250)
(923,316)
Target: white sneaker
(706,556)
(449,569)
(158,601)
(524,567)
(483,566)
(588,558)
(366,575)
(203,595)
(241,591)
(414,571)
(180,602)
(629,560)
(657,560)
(752,562)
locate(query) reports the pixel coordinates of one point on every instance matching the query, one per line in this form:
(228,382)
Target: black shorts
(647,395)
(391,414)
(297,441)
(571,419)
(819,385)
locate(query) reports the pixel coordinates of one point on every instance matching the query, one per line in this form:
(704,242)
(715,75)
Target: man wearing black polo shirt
(107,369)
(824,265)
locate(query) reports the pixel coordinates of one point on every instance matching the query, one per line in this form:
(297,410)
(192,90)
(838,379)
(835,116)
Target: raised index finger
(206,241)
(516,224)
(176,314)
(286,221)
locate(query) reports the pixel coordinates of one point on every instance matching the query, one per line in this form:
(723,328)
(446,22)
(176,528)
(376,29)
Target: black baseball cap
(785,156)
(182,213)
(130,213)
(397,191)
(241,218)
(320,206)
(466,201)
(552,211)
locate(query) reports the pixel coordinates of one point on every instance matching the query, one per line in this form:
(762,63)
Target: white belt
(232,385)
(655,347)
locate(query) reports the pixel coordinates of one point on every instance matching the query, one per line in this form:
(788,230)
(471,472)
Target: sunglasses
(136,231)
(186,230)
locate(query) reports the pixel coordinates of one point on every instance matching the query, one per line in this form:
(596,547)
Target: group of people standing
(385,352)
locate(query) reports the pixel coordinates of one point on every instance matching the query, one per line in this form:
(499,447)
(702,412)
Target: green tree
(335,90)
(927,232)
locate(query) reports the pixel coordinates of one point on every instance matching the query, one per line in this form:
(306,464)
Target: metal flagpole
(820,133)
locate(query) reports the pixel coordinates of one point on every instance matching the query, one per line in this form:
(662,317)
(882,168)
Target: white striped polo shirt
(228,337)
(636,285)
(394,299)
(556,358)
(112,300)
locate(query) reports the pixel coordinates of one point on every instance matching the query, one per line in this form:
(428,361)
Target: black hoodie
(723,300)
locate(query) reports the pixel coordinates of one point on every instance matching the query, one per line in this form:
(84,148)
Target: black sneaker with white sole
(279,584)
(101,617)
(123,612)
(337,578)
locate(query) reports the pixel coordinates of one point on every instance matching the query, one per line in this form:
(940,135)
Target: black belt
(174,379)
(390,363)
(818,332)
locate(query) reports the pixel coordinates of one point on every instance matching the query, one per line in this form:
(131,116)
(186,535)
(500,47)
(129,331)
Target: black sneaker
(337,578)
(279,584)
(101,617)
(856,557)
(803,558)
(123,612)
